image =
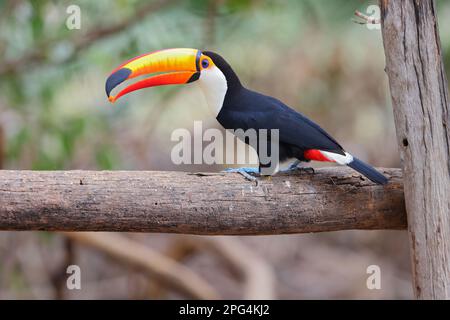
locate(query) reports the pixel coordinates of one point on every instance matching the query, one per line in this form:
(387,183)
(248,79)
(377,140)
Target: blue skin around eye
(205,63)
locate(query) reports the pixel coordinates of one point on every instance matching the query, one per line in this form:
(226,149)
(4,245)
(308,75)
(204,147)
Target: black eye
(205,63)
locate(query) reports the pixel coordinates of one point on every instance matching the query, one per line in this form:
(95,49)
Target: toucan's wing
(264,112)
(298,130)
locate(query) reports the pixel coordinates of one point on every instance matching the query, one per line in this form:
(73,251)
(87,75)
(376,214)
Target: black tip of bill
(115,79)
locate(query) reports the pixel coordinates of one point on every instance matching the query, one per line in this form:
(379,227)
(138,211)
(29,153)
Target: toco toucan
(237,107)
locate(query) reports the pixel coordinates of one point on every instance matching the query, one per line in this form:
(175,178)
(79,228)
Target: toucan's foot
(245,172)
(294,167)
(307,169)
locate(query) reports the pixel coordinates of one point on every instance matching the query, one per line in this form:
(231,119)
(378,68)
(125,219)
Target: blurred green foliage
(52,103)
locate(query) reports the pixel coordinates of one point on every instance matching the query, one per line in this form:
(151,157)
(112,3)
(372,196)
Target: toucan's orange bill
(179,66)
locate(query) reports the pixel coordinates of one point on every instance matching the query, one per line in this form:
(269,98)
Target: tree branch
(208,203)
(256,274)
(367,19)
(165,270)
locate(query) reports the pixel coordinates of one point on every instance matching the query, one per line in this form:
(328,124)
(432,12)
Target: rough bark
(178,202)
(419,91)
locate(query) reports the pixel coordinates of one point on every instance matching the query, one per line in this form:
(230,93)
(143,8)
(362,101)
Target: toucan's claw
(307,169)
(245,172)
(294,167)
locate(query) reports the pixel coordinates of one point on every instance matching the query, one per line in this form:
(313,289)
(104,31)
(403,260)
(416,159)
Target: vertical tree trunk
(2,146)
(419,92)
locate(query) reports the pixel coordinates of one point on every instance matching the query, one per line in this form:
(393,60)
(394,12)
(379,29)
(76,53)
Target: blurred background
(54,115)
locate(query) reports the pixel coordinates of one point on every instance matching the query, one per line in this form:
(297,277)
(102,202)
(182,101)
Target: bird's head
(176,66)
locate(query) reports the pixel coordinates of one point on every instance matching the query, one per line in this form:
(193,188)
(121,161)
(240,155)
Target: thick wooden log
(419,91)
(204,203)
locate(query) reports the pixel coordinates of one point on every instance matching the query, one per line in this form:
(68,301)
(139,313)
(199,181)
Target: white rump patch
(338,158)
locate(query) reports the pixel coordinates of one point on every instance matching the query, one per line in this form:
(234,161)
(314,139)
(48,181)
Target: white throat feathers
(214,86)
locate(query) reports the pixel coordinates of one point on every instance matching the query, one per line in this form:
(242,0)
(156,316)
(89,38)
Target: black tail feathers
(371,173)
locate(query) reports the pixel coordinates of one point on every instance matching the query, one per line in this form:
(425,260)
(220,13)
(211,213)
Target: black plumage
(246,109)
